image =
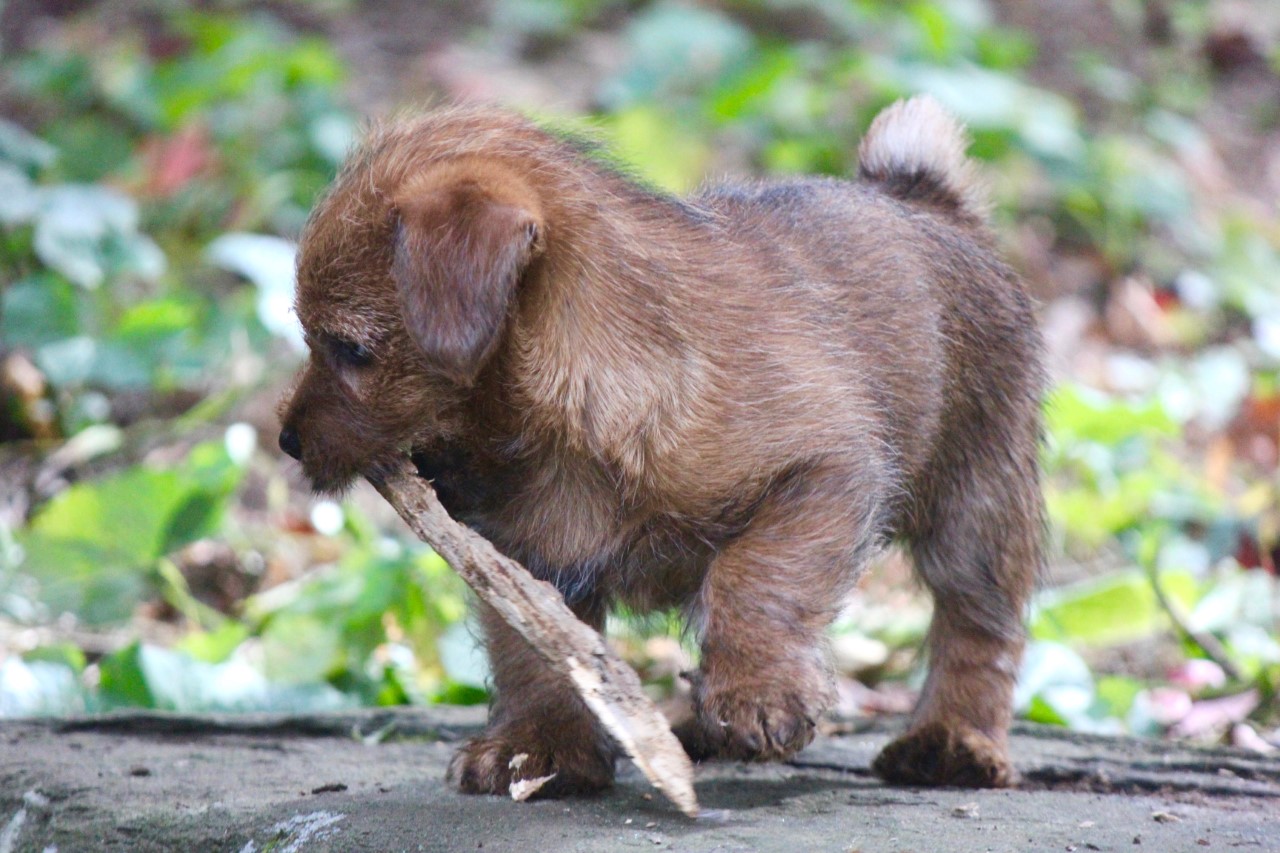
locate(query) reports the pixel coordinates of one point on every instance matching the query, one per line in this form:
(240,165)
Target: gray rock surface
(374,781)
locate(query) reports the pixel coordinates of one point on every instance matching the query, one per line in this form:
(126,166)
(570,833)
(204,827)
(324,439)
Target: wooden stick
(536,610)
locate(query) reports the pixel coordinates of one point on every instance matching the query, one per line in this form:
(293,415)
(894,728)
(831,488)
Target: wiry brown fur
(728,404)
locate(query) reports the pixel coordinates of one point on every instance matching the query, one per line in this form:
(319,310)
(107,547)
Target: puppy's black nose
(291,443)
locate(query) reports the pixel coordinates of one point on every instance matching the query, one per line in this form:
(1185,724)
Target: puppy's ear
(459,254)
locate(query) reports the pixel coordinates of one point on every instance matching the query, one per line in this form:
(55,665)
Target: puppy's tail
(915,151)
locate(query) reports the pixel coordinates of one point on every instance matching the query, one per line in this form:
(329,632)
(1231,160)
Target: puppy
(727,404)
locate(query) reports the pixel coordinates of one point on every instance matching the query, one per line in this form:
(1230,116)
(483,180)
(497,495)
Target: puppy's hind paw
(937,755)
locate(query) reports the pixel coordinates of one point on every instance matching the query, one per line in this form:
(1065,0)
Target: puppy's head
(406,279)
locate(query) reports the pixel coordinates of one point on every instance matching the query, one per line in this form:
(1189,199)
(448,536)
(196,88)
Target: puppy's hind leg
(977,548)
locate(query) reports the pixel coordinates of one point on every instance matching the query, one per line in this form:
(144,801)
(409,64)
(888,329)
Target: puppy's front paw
(489,764)
(935,754)
(749,722)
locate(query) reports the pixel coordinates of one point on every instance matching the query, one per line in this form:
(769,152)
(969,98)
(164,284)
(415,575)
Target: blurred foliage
(148,196)
(156,156)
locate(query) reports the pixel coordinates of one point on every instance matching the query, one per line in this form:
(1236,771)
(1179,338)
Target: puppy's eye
(350,353)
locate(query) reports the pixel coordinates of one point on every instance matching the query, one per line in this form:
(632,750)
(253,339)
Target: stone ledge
(373,780)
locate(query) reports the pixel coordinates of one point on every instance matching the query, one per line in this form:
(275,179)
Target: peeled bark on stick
(536,610)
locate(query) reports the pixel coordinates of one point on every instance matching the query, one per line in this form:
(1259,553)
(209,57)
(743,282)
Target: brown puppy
(727,404)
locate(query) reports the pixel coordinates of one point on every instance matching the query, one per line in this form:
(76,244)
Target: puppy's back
(897,274)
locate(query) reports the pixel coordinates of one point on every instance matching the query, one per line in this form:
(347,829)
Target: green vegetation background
(158,158)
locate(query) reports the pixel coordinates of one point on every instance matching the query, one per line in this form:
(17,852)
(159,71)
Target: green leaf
(1044,123)
(656,146)
(88,233)
(128,513)
(23,149)
(312,62)
(1005,49)
(463,656)
(333,134)
(749,92)
(1055,687)
(936,28)
(393,689)
(93,548)
(298,648)
(1116,694)
(83,577)
(1237,597)
(39,688)
(452,693)
(66,654)
(1077,413)
(91,145)
(209,477)
(152,677)
(210,466)
(805,156)
(267,262)
(676,49)
(1115,608)
(142,513)
(155,319)
(1047,665)
(19,198)
(199,515)
(39,310)
(1040,711)
(122,679)
(1253,647)
(119,367)
(214,646)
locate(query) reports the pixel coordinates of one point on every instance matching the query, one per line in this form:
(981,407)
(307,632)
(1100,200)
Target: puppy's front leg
(768,597)
(538,715)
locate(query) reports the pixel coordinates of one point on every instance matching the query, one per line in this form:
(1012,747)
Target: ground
(374,781)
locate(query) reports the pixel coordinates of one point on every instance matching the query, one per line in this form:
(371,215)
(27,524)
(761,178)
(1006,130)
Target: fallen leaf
(1216,715)
(1197,674)
(1244,736)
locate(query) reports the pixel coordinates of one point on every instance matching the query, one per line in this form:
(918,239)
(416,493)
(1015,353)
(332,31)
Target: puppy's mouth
(434,463)
(334,477)
(457,480)
(454,476)
(331,484)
